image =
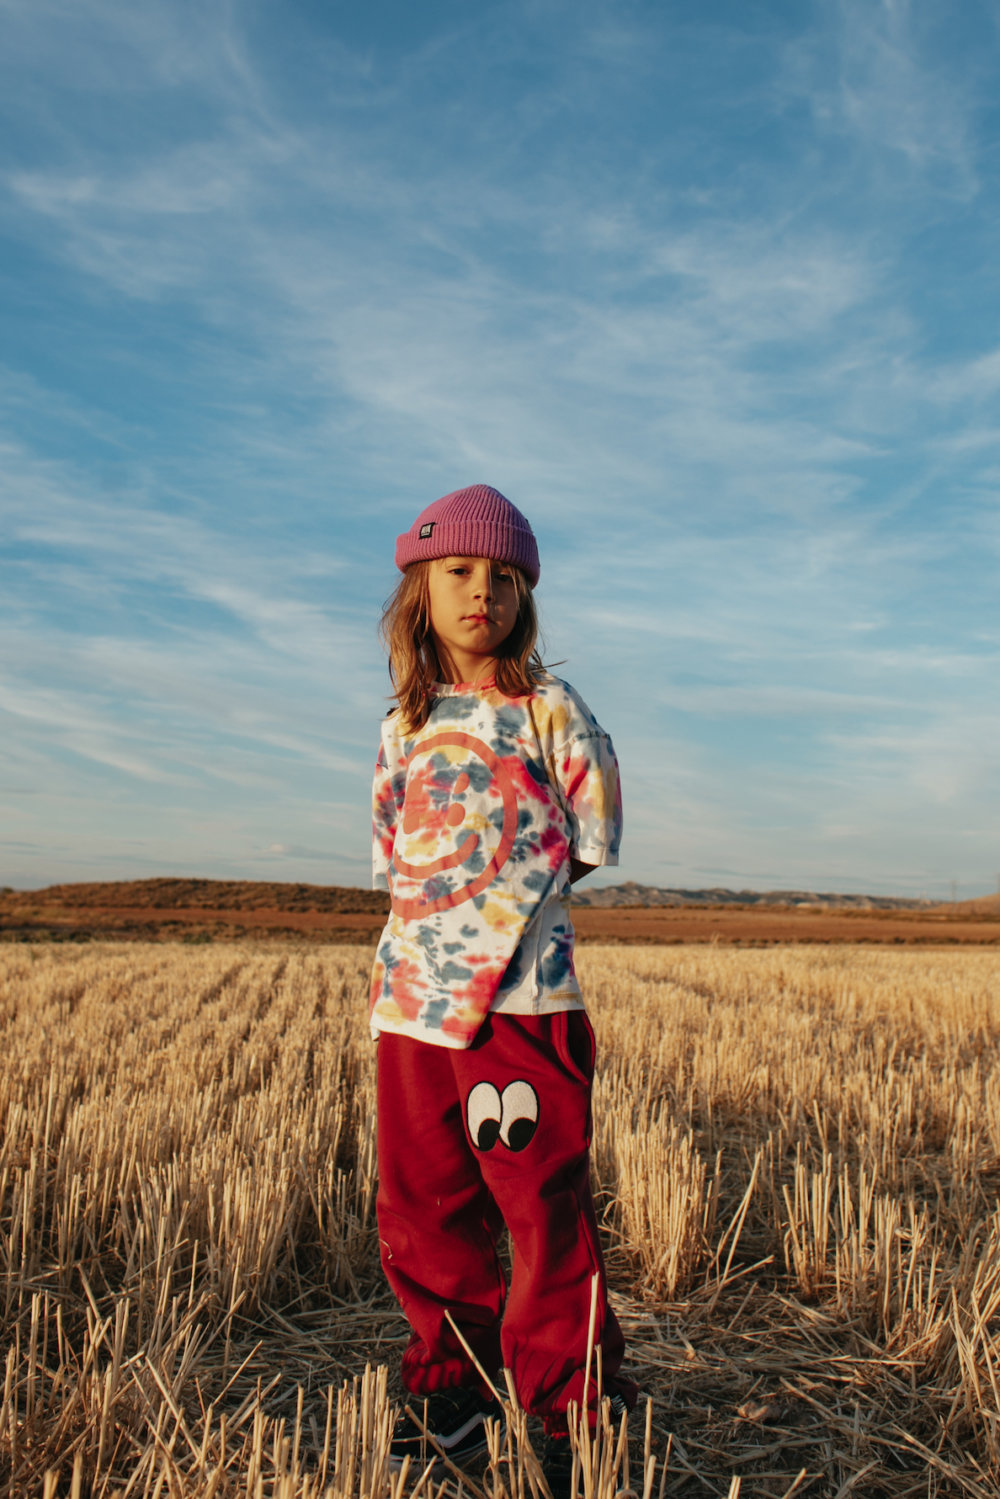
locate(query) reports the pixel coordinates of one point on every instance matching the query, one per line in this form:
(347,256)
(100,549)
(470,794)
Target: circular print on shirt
(433,837)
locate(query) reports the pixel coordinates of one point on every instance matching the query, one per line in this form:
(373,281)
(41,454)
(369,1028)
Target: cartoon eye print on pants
(510,1116)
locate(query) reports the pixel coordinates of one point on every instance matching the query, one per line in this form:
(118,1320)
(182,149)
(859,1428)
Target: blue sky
(711,291)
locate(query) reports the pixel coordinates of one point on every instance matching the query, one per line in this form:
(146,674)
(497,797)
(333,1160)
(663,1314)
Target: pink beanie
(473,522)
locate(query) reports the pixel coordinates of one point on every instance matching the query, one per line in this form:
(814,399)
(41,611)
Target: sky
(711,290)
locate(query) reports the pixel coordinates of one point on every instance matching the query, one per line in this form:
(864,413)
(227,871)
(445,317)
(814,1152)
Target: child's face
(473,608)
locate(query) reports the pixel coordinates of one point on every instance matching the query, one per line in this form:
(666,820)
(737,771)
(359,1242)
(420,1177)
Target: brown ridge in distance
(223,910)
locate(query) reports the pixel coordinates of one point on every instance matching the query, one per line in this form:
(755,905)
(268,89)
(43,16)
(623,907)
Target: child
(494,789)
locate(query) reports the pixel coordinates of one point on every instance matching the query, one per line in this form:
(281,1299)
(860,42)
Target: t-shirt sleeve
(587,771)
(383,821)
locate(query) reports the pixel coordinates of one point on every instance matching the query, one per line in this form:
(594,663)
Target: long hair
(414,667)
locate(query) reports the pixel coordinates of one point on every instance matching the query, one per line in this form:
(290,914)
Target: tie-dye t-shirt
(474,840)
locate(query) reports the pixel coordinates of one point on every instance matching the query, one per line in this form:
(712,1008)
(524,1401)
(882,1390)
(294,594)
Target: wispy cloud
(894,88)
(683,290)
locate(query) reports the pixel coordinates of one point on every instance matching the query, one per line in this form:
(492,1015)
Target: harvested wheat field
(797,1156)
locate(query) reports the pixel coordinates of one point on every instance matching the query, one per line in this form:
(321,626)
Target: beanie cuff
(474,522)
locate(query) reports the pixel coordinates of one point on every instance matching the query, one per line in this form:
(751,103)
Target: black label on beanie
(426,529)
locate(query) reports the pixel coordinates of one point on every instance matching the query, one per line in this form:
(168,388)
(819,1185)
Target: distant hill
(267,895)
(983,905)
(190,910)
(215,895)
(631,894)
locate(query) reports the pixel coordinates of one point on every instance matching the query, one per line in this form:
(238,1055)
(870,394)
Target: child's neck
(473,673)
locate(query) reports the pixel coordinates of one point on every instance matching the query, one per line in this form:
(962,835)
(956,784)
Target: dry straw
(797,1157)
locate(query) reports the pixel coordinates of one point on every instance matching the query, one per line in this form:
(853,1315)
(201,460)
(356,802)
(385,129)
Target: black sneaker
(620,1404)
(557,1465)
(557,1453)
(456,1419)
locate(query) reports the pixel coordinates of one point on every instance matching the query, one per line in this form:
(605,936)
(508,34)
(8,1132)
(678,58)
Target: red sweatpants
(470,1140)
